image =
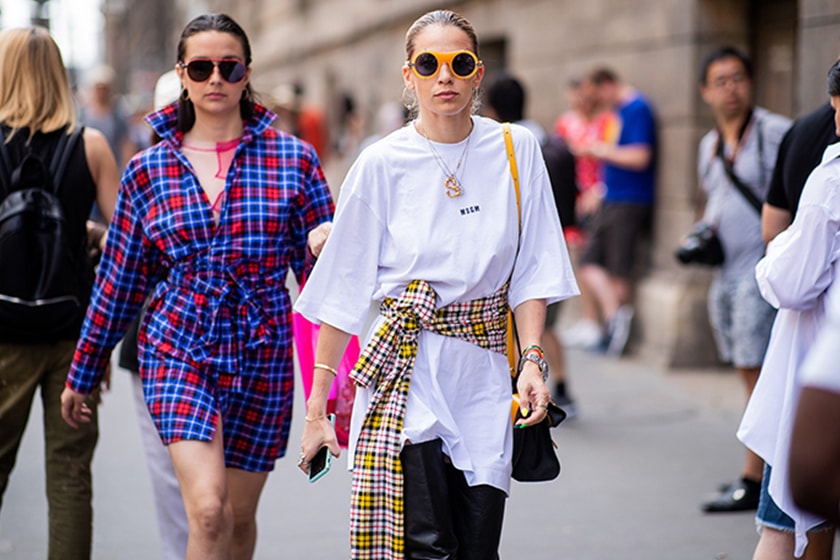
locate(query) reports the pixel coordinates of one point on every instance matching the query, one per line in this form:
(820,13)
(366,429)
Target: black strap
(61,157)
(729,165)
(6,164)
(742,188)
(58,165)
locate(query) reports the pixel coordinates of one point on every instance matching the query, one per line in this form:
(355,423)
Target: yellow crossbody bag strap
(514,172)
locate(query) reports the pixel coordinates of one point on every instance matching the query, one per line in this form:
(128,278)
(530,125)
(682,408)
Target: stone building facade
(140,40)
(339,49)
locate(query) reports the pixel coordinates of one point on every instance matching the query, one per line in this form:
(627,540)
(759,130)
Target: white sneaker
(583,334)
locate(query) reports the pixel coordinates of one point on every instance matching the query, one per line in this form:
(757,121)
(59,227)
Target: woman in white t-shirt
(426,227)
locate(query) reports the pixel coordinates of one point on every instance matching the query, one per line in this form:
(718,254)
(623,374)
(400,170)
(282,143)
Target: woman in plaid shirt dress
(209,221)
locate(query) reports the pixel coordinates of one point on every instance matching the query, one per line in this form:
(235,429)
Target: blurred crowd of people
(197,295)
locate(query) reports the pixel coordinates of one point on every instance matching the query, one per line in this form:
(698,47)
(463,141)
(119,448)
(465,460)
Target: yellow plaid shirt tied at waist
(376,516)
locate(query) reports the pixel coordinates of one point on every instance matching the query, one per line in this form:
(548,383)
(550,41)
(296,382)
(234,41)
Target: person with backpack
(51,172)
(209,222)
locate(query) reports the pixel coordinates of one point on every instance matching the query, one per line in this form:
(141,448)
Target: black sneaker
(740,496)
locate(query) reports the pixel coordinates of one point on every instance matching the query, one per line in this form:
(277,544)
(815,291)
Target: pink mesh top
(211,161)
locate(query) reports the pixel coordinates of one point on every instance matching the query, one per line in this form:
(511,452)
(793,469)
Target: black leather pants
(446,519)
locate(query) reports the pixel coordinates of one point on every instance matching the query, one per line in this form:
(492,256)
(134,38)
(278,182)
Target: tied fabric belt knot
(229,312)
(386,364)
(396,339)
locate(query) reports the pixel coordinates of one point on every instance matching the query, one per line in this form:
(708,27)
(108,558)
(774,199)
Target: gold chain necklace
(451,184)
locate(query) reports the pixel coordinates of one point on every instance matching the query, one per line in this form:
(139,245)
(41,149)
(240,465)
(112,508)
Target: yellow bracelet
(325,367)
(308,419)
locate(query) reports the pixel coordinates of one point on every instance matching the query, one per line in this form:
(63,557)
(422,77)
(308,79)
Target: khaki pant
(68,451)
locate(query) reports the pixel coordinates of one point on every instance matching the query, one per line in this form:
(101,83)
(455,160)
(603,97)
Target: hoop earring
(475,106)
(185,95)
(409,99)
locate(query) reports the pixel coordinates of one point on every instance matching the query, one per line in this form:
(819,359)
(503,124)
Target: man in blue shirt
(629,160)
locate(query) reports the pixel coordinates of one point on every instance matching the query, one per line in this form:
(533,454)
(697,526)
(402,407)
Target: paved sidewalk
(647,447)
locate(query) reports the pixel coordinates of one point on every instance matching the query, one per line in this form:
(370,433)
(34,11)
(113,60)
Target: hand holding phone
(320,463)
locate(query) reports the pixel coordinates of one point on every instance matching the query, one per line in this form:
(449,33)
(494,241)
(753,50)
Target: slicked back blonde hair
(34,88)
(442,18)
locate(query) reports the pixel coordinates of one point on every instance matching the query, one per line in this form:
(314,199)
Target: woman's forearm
(328,353)
(530,322)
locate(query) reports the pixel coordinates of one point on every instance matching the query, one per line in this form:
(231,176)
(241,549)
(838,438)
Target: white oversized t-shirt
(394,224)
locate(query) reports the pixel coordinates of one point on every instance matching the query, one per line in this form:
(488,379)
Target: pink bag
(343,391)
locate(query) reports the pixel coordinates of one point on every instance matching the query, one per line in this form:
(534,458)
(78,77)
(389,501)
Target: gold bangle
(308,419)
(325,367)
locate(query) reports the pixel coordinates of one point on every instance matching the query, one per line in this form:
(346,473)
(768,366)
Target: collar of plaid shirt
(376,515)
(164,122)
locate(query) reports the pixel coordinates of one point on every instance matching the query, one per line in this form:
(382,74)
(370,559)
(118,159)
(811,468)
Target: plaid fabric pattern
(218,290)
(187,398)
(376,515)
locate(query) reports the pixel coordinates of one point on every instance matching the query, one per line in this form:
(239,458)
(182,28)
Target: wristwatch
(534,357)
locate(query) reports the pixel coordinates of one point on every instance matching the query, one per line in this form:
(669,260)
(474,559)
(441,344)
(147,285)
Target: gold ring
(544,405)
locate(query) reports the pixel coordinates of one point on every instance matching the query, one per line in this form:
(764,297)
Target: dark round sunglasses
(464,64)
(200,69)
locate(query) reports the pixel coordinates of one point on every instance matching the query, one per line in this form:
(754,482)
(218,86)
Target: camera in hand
(701,246)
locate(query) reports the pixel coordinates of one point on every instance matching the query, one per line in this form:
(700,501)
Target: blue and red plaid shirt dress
(215,343)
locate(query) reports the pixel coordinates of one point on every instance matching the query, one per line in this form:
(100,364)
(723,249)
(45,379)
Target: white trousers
(171,517)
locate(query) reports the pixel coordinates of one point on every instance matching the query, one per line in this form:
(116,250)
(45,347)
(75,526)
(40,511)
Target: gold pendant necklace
(451,183)
(453,189)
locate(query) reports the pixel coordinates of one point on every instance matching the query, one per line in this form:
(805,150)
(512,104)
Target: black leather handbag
(534,452)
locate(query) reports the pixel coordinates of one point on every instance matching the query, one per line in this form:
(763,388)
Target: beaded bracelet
(325,367)
(308,419)
(534,348)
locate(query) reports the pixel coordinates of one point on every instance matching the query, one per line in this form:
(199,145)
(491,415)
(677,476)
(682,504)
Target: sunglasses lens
(233,71)
(199,70)
(426,64)
(463,64)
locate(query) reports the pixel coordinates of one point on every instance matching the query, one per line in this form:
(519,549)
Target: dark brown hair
(224,24)
(602,75)
(834,79)
(721,53)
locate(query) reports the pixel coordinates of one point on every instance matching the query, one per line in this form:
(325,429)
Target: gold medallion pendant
(453,190)
(451,184)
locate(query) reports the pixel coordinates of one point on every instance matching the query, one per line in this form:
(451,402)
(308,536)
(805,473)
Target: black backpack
(42,295)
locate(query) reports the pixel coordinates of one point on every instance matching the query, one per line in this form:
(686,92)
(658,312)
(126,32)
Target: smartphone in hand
(320,463)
